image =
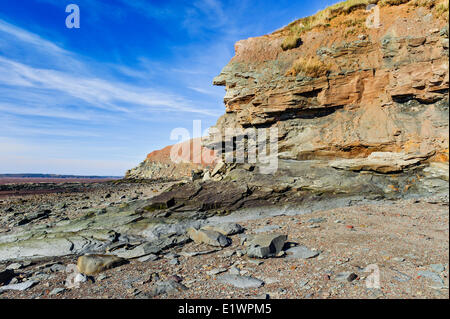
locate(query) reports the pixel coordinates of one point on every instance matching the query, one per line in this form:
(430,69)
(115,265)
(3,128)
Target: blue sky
(96,100)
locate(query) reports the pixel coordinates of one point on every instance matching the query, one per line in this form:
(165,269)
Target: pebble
(228,253)
(174,261)
(346,276)
(317,220)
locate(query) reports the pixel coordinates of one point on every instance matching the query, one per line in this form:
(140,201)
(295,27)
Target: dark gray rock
(266,245)
(6,276)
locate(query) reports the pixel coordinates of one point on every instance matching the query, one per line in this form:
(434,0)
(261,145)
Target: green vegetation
(291,42)
(439,7)
(323,18)
(392,2)
(312,67)
(320,19)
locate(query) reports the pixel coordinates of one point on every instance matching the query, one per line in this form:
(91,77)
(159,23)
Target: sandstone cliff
(359,110)
(160,164)
(384,90)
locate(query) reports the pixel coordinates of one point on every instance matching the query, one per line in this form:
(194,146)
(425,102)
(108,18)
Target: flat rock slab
(382,162)
(198,253)
(266,245)
(47,247)
(301,252)
(240,281)
(19,287)
(139,251)
(209,237)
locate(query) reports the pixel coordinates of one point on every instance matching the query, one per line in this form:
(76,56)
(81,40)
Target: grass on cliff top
(322,18)
(439,7)
(312,67)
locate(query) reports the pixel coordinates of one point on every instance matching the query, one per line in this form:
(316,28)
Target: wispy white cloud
(101,93)
(30,38)
(54,112)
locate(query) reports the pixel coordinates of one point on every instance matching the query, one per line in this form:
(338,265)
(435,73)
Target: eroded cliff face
(361,114)
(385,90)
(174,162)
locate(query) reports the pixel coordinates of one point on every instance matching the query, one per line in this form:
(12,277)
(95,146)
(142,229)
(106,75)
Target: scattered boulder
(219,168)
(266,245)
(227,229)
(94,264)
(209,237)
